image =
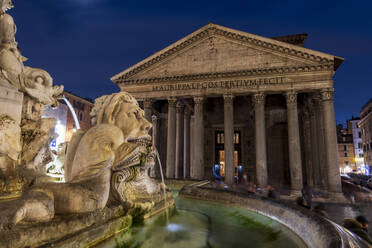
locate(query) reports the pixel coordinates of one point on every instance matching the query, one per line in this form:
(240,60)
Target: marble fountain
(108,198)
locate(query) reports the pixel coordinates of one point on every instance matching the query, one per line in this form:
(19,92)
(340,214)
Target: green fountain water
(197,224)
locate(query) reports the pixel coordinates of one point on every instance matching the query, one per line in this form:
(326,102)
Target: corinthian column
(333,171)
(171,139)
(295,163)
(319,144)
(308,148)
(228,103)
(197,170)
(186,148)
(261,160)
(147,107)
(179,140)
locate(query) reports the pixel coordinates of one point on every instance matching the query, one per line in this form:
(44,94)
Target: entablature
(270,84)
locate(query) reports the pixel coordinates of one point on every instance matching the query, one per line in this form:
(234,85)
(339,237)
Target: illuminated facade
(358,144)
(346,153)
(226,97)
(365,125)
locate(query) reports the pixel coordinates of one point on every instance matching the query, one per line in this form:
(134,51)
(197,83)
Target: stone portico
(223,96)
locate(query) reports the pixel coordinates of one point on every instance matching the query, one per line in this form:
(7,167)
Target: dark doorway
(278,156)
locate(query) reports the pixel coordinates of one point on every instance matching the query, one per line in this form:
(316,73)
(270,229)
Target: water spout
(163,185)
(72,111)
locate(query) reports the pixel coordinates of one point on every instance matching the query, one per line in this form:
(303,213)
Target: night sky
(82,43)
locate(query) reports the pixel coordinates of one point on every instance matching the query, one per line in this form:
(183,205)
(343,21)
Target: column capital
(154,118)
(198,99)
(228,98)
(179,107)
(187,111)
(147,102)
(327,94)
(172,102)
(259,98)
(291,97)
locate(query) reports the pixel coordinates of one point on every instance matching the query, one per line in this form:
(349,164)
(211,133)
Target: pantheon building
(251,105)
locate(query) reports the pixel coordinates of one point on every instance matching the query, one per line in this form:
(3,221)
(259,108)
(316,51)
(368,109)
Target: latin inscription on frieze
(227,84)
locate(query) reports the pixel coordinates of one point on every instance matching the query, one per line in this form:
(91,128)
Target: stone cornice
(212,29)
(365,119)
(231,74)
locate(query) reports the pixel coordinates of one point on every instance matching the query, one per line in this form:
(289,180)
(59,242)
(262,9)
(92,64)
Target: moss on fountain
(256,226)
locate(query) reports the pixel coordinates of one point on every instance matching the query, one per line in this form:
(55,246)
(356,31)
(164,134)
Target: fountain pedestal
(11,102)
(10,144)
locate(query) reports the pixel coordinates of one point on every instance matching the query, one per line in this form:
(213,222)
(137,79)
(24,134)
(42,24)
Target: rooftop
(83,98)
(365,105)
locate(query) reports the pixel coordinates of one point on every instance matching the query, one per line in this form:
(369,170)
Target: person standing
(307,195)
(359,226)
(272,192)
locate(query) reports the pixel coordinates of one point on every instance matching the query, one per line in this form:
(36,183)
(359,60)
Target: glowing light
(60,130)
(74,130)
(175,227)
(358,160)
(346,170)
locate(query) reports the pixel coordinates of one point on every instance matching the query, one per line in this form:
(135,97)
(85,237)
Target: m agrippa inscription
(226,84)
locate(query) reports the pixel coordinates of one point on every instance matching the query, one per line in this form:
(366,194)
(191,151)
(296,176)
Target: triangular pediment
(214,49)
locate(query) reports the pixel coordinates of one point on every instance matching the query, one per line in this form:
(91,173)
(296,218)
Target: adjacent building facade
(365,125)
(346,152)
(241,101)
(353,125)
(82,107)
(66,124)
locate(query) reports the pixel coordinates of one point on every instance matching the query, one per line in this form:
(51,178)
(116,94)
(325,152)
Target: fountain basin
(198,223)
(314,230)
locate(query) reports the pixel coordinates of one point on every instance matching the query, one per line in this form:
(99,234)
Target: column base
(293,194)
(337,197)
(332,197)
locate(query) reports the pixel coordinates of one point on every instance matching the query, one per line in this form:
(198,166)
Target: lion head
(122,110)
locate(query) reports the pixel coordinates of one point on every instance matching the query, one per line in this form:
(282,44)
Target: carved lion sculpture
(113,156)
